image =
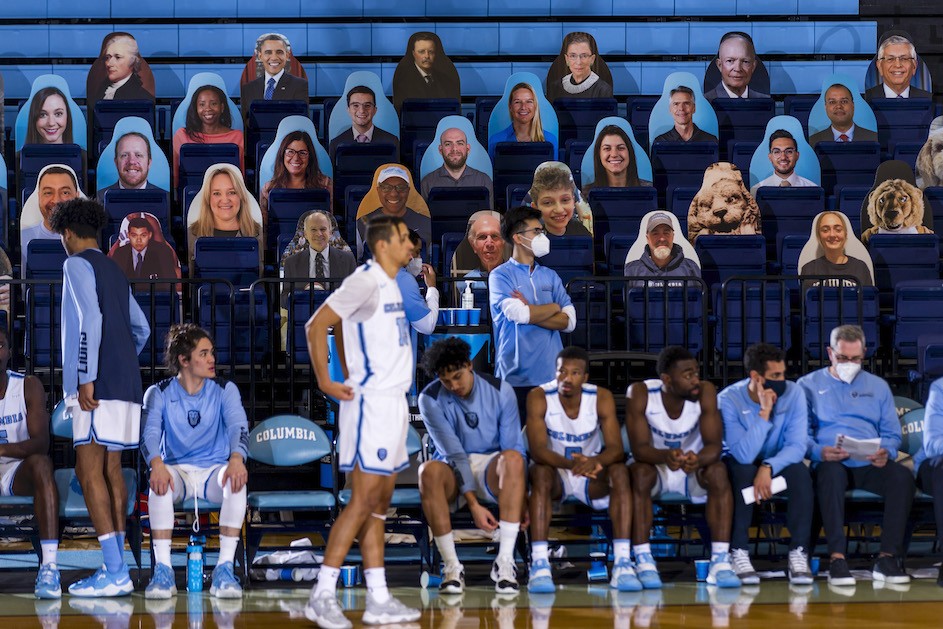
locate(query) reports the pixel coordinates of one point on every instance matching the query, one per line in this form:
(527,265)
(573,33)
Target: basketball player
(676,435)
(25,468)
(196,440)
(576,448)
(101,381)
(372,335)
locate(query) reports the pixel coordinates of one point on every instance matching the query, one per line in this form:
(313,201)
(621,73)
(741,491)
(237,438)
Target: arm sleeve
(499,288)
(933,421)
(234,418)
(447,443)
(140,328)
(890,424)
(153,416)
(356,298)
(570,313)
(509,421)
(80,278)
(561,297)
(795,415)
(744,433)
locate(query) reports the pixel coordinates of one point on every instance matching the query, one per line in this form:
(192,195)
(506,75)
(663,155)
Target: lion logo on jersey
(194,418)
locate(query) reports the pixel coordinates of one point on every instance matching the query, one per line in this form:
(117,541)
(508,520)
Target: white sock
(227,548)
(642,549)
(538,551)
(719,547)
(50,548)
(446,545)
(621,549)
(327,580)
(376,584)
(508,539)
(161,549)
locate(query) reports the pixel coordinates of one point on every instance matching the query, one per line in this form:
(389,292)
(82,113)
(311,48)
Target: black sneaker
(839,574)
(888,569)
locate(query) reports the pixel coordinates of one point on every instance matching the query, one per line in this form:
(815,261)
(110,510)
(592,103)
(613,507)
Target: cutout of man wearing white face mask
(845,401)
(529,307)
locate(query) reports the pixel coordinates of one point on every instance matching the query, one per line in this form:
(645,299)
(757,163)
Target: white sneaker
(743,568)
(453,579)
(326,611)
(799,571)
(504,575)
(391,611)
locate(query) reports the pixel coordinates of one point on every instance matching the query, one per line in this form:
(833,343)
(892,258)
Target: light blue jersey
(201,430)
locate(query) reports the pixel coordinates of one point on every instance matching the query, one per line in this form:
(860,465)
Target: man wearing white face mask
(529,307)
(843,400)
(662,257)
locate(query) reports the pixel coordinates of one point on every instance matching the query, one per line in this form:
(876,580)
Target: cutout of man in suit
(840,109)
(897,65)
(276,83)
(334,263)
(362,107)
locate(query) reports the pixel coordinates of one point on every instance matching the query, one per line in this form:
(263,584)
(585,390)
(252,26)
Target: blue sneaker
(647,571)
(225,584)
(163,584)
(539,578)
(720,573)
(104,584)
(623,577)
(47,583)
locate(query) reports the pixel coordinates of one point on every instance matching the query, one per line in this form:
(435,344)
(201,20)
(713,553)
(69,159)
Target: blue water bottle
(195,563)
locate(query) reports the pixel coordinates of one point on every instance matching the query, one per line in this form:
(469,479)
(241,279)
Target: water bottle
(468,299)
(195,563)
(194,611)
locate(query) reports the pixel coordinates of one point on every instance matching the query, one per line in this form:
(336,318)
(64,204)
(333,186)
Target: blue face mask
(776,386)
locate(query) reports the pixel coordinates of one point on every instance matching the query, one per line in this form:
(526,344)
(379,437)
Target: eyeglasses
(847,359)
(289,153)
(401,188)
(786,152)
(901,59)
(572,56)
(537,231)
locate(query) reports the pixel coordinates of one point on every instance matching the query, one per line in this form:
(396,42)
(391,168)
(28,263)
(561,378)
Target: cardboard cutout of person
(841,110)
(800,166)
(224,128)
(523,114)
(272,73)
(736,71)
(425,71)
(920,81)
(847,256)
(895,204)
(369,117)
(142,252)
(388,196)
(615,158)
(579,71)
(304,162)
(132,160)
(700,113)
(38,209)
(119,72)
(458,160)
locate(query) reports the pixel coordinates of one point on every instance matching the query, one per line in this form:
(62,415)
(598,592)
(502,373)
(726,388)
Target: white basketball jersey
(683,433)
(378,350)
(13,427)
(567,436)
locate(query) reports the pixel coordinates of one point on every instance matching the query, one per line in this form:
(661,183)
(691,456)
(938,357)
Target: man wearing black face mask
(765,433)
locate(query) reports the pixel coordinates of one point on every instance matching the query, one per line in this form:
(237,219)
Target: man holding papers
(844,400)
(766,426)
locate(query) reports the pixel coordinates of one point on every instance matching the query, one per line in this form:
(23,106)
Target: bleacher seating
(848,163)
(515,163)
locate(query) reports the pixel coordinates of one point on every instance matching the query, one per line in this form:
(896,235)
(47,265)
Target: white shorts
(577,488)
(371,432)
(7,476)
(678,482)
(192,481)
(115,424)
(479,466)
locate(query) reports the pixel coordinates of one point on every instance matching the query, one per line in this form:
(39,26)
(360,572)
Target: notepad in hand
(778,485)
(858,449)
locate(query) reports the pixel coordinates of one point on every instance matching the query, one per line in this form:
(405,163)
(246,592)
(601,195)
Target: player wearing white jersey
(676,436)
(373,422)
(574,442)
(25,467)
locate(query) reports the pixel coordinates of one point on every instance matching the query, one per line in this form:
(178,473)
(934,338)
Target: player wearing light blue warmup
(529,307)
(479,456)
(101,380)
(196,441)
(928,462)
(576,448)
(844,400)
(372,334)
(766,426)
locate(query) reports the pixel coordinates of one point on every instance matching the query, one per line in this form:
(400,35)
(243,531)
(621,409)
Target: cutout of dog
(930,161)
(895,206)
(723,205)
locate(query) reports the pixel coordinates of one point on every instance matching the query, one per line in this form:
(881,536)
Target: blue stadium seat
(657,317)
(905,151)
(679,201)
(573,153)
(682,163)
(451,208)
(107,113)
(619,210)
(162,309)
(285,207)
(847,163)
(748,312)
(849,203)
(827,307)
(787,211)
(742,120)
(617,247)
(899,257)
(740,154)
(902,120)
(235,260)
(933,200)
(354,164)
(799,106)
(119,203)
(725,256)
(196,158)
(263,117)
(353,195)
(918,310)
(301,305)
(570,256)
(578,116)
(638,111)
(44,260)
(484,105)
(418,120)
(515,163)
(35,157)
